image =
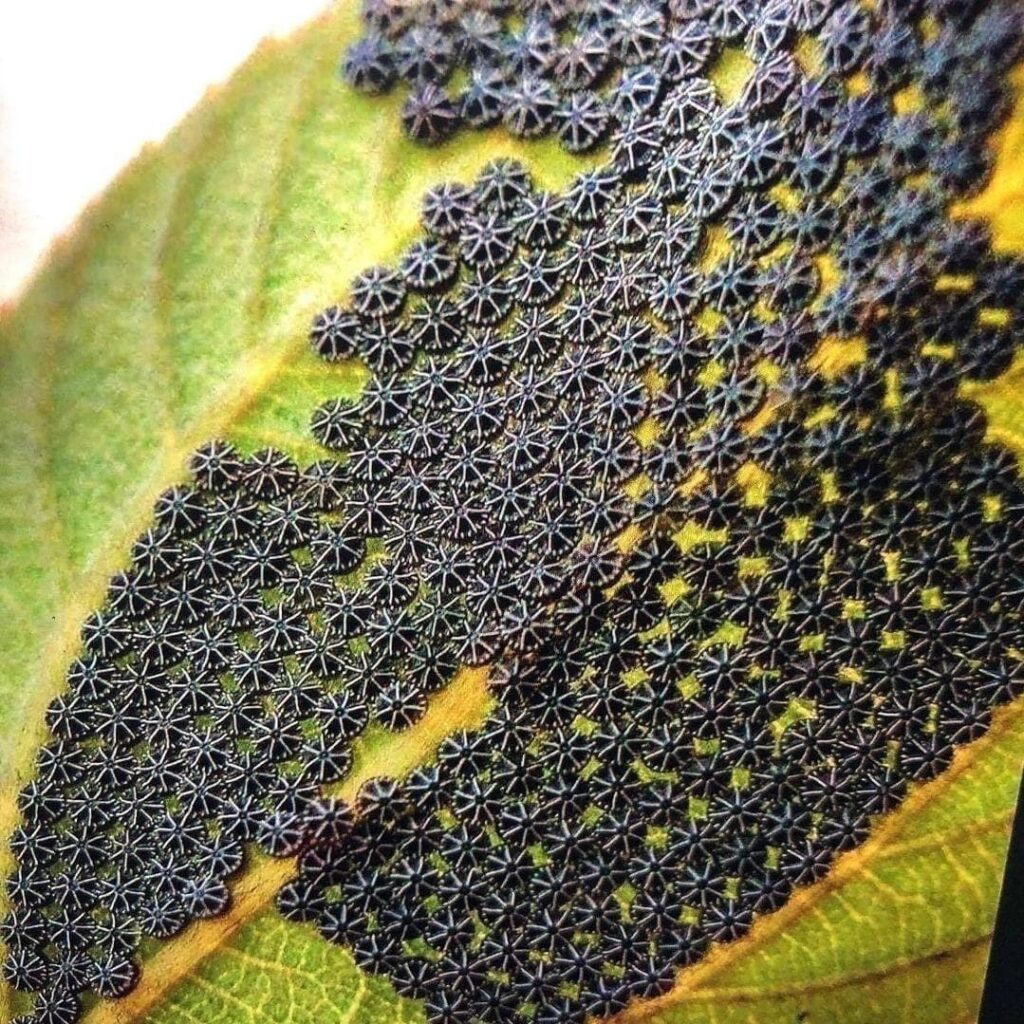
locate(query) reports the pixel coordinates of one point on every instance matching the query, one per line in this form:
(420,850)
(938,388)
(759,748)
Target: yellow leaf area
(1001,204)
(900,928)
(1002,201)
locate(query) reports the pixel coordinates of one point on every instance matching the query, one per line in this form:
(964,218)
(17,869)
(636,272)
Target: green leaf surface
(177,311)
(271,974)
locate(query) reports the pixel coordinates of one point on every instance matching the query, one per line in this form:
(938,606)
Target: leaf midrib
(464,703)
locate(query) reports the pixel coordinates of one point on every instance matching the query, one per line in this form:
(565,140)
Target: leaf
(176,312)
(268,976)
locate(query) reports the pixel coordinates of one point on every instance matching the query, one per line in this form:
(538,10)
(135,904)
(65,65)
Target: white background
(84,83)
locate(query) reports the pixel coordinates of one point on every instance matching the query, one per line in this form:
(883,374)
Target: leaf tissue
(629,569)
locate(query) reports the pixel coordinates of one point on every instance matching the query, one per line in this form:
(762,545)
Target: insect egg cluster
(680,454)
